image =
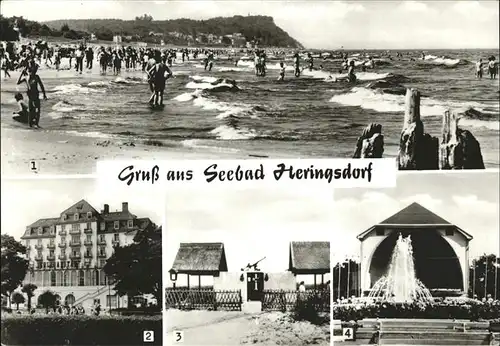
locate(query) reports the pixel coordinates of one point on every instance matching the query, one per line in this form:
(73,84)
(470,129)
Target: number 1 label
(33,166)
(348,333)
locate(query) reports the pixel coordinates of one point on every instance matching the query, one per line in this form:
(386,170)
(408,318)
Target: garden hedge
(466,311)
(79,330)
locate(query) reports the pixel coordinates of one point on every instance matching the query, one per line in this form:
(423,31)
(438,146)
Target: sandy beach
(61,153)
(235,328)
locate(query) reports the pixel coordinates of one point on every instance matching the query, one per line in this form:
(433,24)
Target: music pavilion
(209,259)
(440,249)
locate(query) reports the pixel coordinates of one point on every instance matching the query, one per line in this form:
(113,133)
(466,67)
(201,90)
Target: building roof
(80,207)
(118,215)
(309,257)
(200,259)
(44,222)
(413,215)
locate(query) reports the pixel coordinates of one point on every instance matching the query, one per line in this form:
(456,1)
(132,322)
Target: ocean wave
(212,84)
(202,144)
(444,61)
(74,88)
(64,107)
(226,132)
(383,102)
(233,69)
(91,134)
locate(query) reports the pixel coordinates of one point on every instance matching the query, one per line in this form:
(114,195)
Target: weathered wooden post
(417,150)
(459,149)
(371,143)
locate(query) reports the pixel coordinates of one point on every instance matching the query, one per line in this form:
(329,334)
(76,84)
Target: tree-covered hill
(261,29)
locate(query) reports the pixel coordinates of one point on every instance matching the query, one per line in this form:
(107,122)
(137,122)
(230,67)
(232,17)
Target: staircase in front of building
(421,332)
(91,295)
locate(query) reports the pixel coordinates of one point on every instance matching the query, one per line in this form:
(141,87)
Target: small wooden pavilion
(310,258)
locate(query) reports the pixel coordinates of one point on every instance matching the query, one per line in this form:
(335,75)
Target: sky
(26,201)
(316,24)
(468,200)
(252,223)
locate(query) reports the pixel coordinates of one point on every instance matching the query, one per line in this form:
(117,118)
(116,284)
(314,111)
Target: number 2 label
(348,333)
(148,336)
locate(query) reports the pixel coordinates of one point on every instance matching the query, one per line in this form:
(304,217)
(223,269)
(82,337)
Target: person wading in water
(32,81)
(159,74)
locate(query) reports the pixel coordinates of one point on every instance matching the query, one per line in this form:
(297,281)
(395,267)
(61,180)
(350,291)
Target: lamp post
(486,277)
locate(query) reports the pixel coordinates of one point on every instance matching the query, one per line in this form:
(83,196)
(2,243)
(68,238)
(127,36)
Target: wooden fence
(203,299)
(281,300)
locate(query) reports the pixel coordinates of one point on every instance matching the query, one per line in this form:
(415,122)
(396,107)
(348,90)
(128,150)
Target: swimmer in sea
(351,76)
(282,72)
(492,67)
(296,62)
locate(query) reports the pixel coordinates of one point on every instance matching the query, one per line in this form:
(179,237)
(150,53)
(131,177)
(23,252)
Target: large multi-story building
(67,253)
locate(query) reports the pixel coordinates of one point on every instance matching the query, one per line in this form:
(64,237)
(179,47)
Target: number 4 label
(178,336)
(348,333)
(148,336)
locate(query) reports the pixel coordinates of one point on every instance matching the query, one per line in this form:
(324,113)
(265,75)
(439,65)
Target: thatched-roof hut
(199,259)
(310,257)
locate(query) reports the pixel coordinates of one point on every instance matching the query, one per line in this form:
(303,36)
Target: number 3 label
(348,333)
(148,336)
(178,336)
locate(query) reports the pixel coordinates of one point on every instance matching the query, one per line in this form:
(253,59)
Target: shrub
(306,310)
(78,330)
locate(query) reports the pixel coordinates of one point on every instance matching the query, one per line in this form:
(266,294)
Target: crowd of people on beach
(157,63)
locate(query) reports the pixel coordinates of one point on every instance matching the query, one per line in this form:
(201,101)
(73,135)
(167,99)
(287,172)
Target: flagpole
(338,292)
(348,275)
(486,277)
(496,276)
(473,278)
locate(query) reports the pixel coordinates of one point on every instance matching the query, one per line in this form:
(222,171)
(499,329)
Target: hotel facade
(67,253)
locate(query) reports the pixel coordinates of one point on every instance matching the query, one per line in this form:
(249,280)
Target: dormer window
(52,230)
(64,217)
(116,225)
(103,226)
(40,230)
(130,223)
(89,215)
(75,217)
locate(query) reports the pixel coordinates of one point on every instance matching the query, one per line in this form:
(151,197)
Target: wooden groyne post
(371,143)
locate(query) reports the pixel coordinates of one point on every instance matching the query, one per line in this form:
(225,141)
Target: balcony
(116,243)
(51,246)
(75,243)
(87,255)
(51,257)
(75,231)
(87,242)
(102,255)
(62,245)
(38,258)
(38,246)
(74,256)
(63,232)
(63,257)
(87,231)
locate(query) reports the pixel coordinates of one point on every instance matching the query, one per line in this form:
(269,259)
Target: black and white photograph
(99,80)
(418,264)
(80,265)
(247,266)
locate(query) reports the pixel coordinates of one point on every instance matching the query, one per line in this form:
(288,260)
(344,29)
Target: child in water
(282,71)
(23,109)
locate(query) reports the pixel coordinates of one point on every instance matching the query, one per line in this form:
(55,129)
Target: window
(51,241)
(58,228)
(81,278)
(39,253)
(75,253)
(89,215)
(65,279)
(102,238)
(88,252)
(40,230)
(102,263)
(103,226)
(75,239)
(116,237)
(63,239)
(39,241)
(75,227)
(111,301)
(117,224)
(52,278)
(52,230)
(450,232)
(64,217)
(102,251)
(27,243)
(51,253)
(380,231)
(130,223)
(89,225)
(75,217)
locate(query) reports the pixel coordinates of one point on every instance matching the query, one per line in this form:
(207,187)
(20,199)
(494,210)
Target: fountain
(400,284)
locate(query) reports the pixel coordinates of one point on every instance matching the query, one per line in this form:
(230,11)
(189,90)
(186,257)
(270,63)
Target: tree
(64,27)
(48,300)
(29,289)
(136,268)
(17,298)
(482,273)
(14,265)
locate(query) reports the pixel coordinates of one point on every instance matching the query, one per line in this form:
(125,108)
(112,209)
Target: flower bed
(467,310)
(78,330)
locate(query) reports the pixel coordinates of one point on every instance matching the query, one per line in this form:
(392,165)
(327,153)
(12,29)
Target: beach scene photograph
(247,266)
(81,265)
(418,264)
(100,80)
